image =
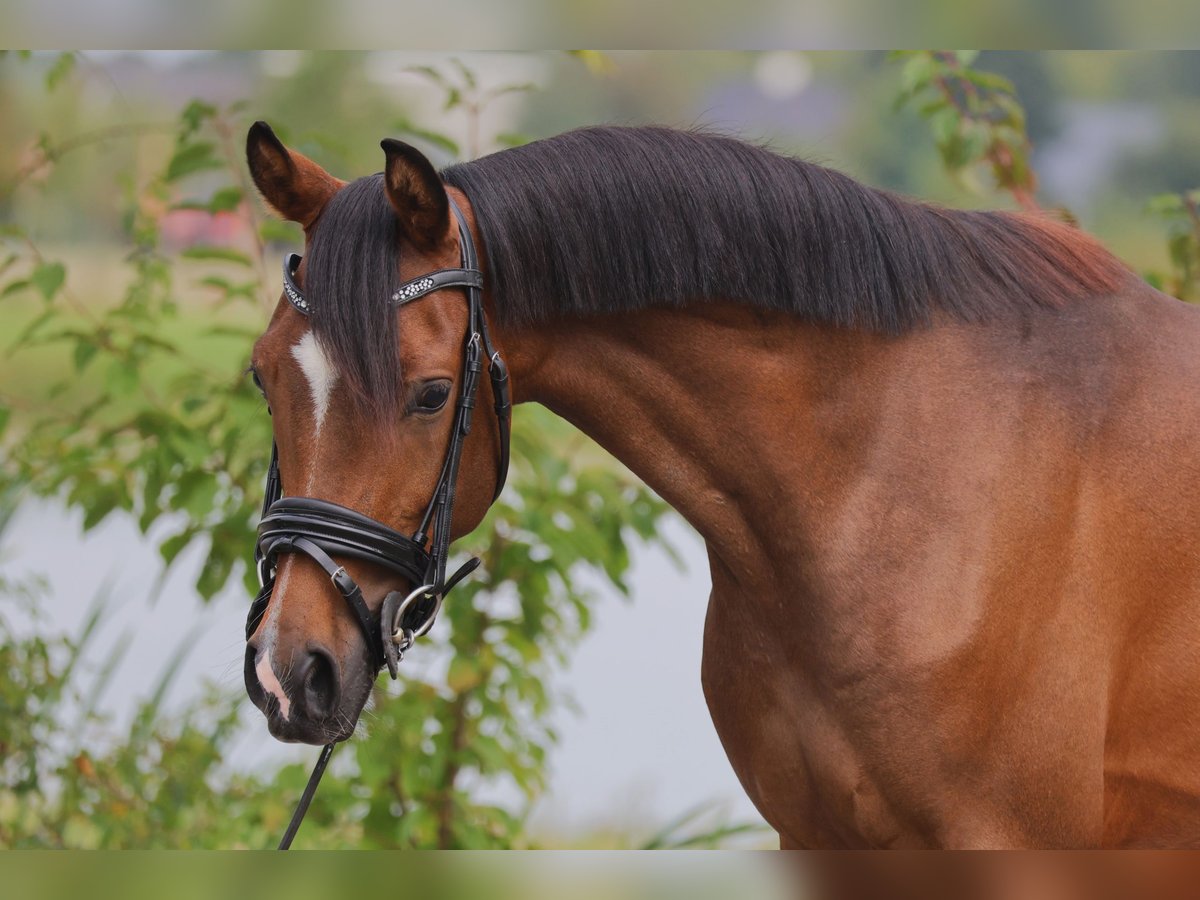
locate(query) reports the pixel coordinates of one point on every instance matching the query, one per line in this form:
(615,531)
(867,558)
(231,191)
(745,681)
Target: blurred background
(559,702)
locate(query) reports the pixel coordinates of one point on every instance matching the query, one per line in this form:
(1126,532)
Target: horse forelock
(351,272)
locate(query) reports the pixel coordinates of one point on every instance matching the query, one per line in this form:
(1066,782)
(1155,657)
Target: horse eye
(257,381)
(433,396)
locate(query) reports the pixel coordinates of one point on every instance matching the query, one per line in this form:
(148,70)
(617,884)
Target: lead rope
(306,798)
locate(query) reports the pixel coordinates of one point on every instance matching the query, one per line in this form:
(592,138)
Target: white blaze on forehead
(318,370)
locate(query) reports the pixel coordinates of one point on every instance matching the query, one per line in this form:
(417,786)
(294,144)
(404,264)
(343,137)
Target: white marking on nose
(319,371)
(270,630)
(266,677)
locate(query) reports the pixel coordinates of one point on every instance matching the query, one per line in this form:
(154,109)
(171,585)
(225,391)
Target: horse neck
(724,411)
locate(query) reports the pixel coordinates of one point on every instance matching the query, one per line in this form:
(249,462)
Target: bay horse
(944,463)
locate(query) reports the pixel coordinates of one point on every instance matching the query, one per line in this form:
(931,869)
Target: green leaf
(210,251)
(192,157)
(405,126)
(83,354)
(977,138)
(944,125)
(121,379)
(30,331)
(505,89)
(213,574)
(48,278)
(226,199)
(61,69)
(195,114)
(102,501)
(988,80)
(428,72)
(512,139)
(14,286)
(596,61)
(174,545)
(1165,204)
(465,71)
(917,72)
(1013,112)
(954,152)
(275,231)
(464,674)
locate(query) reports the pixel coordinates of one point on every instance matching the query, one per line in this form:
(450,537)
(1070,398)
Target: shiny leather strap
(337,529)
(411,290)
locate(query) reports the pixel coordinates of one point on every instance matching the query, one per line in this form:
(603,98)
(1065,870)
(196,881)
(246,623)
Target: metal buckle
(426,591)
(397,638)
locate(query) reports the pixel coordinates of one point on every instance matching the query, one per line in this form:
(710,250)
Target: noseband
(321,530)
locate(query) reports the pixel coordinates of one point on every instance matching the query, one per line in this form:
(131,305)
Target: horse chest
(841,746)
(805,773)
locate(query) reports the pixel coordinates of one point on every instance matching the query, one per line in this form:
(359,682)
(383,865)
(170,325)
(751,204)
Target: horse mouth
(290,731)
(288,721)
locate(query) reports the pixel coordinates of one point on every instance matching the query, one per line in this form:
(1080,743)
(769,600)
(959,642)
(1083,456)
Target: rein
(320,529)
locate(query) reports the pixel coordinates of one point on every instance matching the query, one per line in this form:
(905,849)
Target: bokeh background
(136,269)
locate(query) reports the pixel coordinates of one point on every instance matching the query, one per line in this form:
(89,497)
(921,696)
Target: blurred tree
(977,121)
(1029,74)
(1180,214)
(148,414)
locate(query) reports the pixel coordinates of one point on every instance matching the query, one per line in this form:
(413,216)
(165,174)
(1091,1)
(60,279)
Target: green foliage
(144,418)
(1180,214)
(974,117)
(70,779)
(148,415)
(462,92)
(977,121)
(692,831)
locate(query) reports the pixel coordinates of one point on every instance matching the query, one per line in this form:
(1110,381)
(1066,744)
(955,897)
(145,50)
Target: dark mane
(610,219)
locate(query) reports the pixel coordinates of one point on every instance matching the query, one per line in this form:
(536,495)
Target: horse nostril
(319,685)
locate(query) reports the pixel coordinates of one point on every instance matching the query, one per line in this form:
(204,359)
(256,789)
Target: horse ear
(417,194)
(291,183)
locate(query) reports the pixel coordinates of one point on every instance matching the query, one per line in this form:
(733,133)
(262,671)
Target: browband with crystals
(406,293)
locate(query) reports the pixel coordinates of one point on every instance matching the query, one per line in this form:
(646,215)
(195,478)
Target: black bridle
(320,529)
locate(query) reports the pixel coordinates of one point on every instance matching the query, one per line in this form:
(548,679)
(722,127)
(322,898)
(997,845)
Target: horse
(944,463)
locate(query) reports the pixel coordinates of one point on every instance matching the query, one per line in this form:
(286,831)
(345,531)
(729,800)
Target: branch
(51,154)
(445,801)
